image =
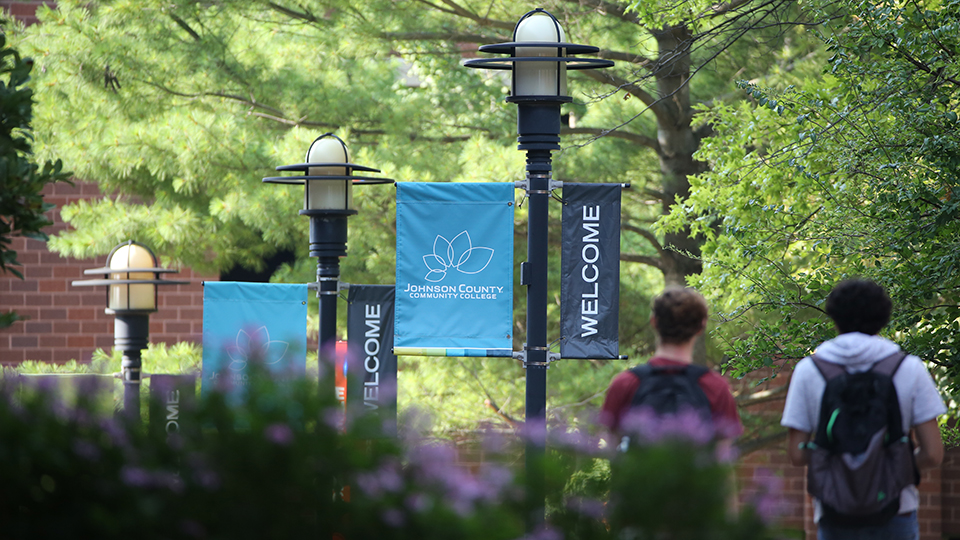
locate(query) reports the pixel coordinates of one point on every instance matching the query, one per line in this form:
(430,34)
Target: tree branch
(607,8)
(182,24)
(642,259)
(724,8)
(631,58)
(460,11)
(642,140)
(645,234)
(300,15)
(762,396)
(746,447)
(440,36)
(514,423)
(633,89)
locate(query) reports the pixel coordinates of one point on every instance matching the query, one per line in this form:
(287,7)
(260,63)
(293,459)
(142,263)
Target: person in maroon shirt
(679,316)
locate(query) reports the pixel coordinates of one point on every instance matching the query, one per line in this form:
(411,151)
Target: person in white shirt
(860,309)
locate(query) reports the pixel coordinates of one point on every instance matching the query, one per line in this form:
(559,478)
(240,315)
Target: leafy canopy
(21,178)
(852,173)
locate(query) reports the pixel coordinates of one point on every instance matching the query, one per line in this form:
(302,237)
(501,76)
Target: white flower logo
(459,254)
(256,347)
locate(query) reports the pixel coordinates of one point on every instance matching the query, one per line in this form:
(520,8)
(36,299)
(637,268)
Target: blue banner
(454,269)
(247,323)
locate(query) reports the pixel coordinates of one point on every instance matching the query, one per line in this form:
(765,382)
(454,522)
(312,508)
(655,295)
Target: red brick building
(66,322)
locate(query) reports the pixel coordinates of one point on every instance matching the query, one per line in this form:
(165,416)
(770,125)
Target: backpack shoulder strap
(642,371)
(829,370)
(886,366)
(889,365)
(694,372)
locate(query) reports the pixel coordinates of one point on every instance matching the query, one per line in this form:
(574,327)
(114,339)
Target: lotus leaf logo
(256,346)
(459,254)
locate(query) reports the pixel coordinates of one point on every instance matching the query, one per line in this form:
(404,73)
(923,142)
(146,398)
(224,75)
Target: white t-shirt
(919,398)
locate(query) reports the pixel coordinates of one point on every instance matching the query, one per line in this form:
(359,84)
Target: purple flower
(726,453)
(646,426)
(493,442)
(766,495)
(208,480)
(86,449)
(279,434)
(385,479)
(496,477)
(116,434)
(369,485)
(204,476)
(135,476)
(544,533)
(591,508)
(534,431)
(393,517)
(418,502)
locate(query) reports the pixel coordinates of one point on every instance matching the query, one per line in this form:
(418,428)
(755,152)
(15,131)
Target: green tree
(21,178)
(179,108)
(852,173)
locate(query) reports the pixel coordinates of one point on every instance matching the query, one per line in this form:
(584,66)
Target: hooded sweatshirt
(917,393)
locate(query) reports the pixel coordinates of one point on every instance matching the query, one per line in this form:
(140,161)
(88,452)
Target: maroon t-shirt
(722,405)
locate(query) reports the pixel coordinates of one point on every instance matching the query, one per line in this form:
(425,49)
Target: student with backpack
(669,383)
(851,409)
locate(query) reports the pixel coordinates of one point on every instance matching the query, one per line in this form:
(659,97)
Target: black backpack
(670,389)
(860,458)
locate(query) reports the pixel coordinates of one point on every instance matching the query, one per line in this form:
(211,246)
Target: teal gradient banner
(454,268)
(247,323)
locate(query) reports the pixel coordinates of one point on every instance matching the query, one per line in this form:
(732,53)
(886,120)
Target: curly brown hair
(681,312)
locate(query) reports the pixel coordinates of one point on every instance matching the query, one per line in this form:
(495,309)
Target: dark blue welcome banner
(590,271)
(454,269)
(372,371)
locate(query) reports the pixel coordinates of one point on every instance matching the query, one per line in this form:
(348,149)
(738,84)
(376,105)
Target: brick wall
(950,494)
(68,323)
(24,11)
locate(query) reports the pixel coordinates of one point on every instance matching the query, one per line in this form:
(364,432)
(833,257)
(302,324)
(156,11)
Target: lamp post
(132,275)
(328,179)
(539,62)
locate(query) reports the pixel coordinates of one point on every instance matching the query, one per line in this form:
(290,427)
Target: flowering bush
(278,466)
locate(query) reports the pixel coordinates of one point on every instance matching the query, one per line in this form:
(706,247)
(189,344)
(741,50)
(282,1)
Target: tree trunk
(678,142)
(677,145)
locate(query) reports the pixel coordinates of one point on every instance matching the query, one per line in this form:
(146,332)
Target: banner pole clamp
(523,357)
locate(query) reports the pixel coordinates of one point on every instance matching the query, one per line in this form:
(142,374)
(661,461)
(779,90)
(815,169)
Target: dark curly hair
(680,314)
(859,305)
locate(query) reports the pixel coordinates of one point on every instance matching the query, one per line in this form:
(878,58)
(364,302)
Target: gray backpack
(860,458)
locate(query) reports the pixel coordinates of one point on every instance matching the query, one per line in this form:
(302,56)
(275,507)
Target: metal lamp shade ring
(538,59)
(327,177)
(132,276)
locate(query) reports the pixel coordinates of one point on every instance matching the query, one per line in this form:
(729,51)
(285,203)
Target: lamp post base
(328,242)
(131,334)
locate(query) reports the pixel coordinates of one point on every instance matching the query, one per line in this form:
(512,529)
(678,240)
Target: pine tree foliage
(179,108)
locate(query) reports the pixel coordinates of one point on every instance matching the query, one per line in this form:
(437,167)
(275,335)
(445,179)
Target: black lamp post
(328,178)
(539,62)
(132,275)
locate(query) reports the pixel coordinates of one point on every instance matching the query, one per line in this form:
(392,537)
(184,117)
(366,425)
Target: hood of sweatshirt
(856,351)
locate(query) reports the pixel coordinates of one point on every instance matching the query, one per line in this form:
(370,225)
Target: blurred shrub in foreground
(278,466)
